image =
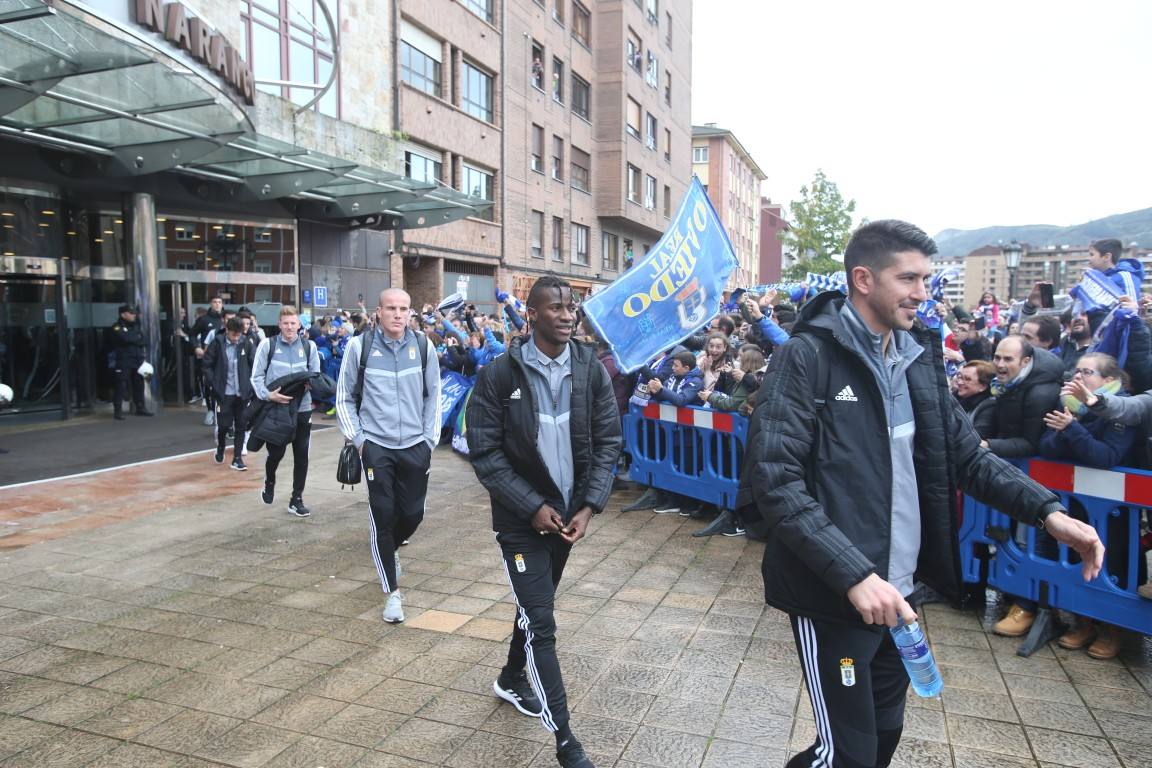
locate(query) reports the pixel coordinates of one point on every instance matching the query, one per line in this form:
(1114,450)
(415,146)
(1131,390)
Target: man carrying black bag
(388,404)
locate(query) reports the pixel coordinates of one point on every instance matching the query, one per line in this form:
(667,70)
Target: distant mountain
(1128,227)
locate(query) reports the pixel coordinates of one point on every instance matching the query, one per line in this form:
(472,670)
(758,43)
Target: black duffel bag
(349,468)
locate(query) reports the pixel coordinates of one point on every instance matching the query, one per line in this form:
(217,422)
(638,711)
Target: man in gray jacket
(391,411)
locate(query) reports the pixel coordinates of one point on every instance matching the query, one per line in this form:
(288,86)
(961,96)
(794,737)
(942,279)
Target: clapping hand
(1059,420)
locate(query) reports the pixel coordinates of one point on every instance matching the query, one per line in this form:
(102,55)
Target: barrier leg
(1046,628)
(649,500)
(725,524)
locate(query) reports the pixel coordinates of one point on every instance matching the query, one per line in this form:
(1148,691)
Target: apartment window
(476,98)
(282,43)
(668,29)
(628,254)
(537,234)
(262,267)
(652,74)
(667,87)
(650,130)
(609,251)
(419,70)
(537,148)
(653,11)
(580,234)
(699,154)
(558,158)
(558,80)
(633,184)
(667,201)
(423,165)
(558,11)
(557,238)
(185,232)
(482,8)
(650,193)
(632,54)
(634,113)
(581,97)
(477,183)
(581,170)
(537,66)
(581,24)
(668,145)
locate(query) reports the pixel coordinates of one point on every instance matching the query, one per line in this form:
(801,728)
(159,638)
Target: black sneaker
(571,755)
(219,457)
(518,692)
(268,494)
(296,507)
(238,465)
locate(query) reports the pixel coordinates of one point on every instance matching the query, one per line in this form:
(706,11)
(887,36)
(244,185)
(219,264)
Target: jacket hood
(822,315)
(1129,265)
(1047,368)
(580,351)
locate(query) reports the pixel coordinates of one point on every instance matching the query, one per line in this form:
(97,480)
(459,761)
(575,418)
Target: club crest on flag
(674,290)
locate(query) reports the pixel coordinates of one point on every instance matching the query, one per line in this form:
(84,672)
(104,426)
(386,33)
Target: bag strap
(268,358)
(365,349)
(422,343)
(822,372)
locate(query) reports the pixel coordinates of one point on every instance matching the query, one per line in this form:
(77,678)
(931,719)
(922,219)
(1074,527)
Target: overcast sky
(951,114)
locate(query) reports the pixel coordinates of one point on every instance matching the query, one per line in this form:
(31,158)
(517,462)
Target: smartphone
(1047,301)
(979,322)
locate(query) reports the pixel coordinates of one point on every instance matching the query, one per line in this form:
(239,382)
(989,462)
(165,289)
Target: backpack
(366,349)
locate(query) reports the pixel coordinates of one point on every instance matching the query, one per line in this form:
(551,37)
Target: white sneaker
(210,419)
(394,608)
(399,570)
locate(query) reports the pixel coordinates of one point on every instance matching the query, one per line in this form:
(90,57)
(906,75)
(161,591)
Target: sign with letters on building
(320,296)
(191,34)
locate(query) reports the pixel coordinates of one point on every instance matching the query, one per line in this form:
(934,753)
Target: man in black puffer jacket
(1027,386)
(855,453)
(543,438)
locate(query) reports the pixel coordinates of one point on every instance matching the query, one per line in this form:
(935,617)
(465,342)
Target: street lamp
(1012,253)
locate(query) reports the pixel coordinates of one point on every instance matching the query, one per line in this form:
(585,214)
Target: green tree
(819,226)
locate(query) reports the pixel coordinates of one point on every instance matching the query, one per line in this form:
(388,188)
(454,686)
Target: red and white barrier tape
(703,418)
(1100,483)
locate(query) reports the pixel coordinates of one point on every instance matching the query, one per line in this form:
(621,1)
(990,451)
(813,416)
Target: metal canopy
(69,85)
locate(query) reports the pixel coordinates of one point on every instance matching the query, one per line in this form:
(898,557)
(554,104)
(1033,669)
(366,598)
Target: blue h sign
(320,295)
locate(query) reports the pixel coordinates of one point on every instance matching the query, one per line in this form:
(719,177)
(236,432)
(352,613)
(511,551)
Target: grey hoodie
(890,370)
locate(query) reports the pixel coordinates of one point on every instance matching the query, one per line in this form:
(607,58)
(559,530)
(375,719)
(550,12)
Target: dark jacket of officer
(127,345)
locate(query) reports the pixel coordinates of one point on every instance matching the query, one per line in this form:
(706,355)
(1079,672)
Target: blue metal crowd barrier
(698,452)
(695,452)
(1112,502)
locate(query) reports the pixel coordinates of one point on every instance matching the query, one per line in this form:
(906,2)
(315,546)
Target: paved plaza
(162,616)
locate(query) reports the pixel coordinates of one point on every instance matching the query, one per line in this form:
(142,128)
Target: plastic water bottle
(918,659)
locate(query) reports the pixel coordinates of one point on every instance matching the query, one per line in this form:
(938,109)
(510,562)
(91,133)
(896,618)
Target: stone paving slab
(204,628)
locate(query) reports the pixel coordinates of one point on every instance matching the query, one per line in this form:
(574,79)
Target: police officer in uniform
(126,342)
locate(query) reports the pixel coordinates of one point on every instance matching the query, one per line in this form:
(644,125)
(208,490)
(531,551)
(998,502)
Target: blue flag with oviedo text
(672,292)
